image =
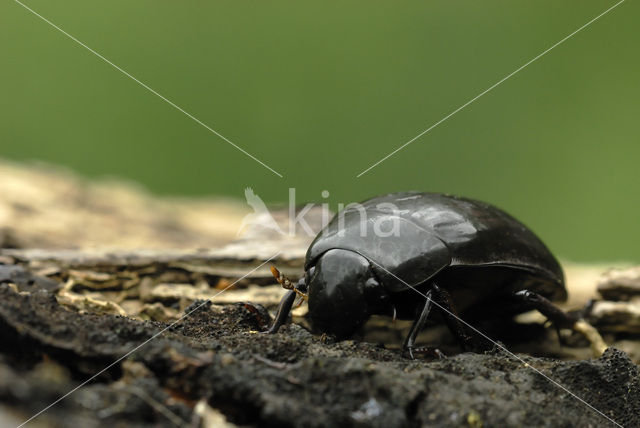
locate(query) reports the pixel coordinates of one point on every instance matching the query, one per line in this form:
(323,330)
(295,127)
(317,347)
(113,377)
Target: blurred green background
(320,91)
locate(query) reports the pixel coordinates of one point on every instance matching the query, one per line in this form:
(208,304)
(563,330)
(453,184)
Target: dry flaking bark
(46,206)
(616,317)
(50,207)
(288,379)
(620,284)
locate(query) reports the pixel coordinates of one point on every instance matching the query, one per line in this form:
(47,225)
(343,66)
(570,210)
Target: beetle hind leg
(561,319)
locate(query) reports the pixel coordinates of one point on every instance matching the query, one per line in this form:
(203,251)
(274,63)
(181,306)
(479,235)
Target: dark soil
(289,379)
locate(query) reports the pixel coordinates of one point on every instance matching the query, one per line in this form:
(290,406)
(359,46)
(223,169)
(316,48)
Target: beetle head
(342,292)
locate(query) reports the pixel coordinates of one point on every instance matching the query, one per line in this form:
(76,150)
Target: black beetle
(453,251)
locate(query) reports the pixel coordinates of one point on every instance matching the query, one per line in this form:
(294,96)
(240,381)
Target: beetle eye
(309,274)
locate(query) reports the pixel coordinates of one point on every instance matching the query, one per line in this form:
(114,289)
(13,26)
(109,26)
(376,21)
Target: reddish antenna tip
(275,272)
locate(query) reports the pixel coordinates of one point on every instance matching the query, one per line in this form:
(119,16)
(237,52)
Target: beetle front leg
(561,319)
(283,311)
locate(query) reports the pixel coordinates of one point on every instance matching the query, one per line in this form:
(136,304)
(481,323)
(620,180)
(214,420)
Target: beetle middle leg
(441,299)
(465,340)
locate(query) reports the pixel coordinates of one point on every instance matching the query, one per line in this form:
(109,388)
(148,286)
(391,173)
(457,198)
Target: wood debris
(620,284)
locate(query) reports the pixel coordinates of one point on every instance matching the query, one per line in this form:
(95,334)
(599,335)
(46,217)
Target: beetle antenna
(282,280)
(288,285)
